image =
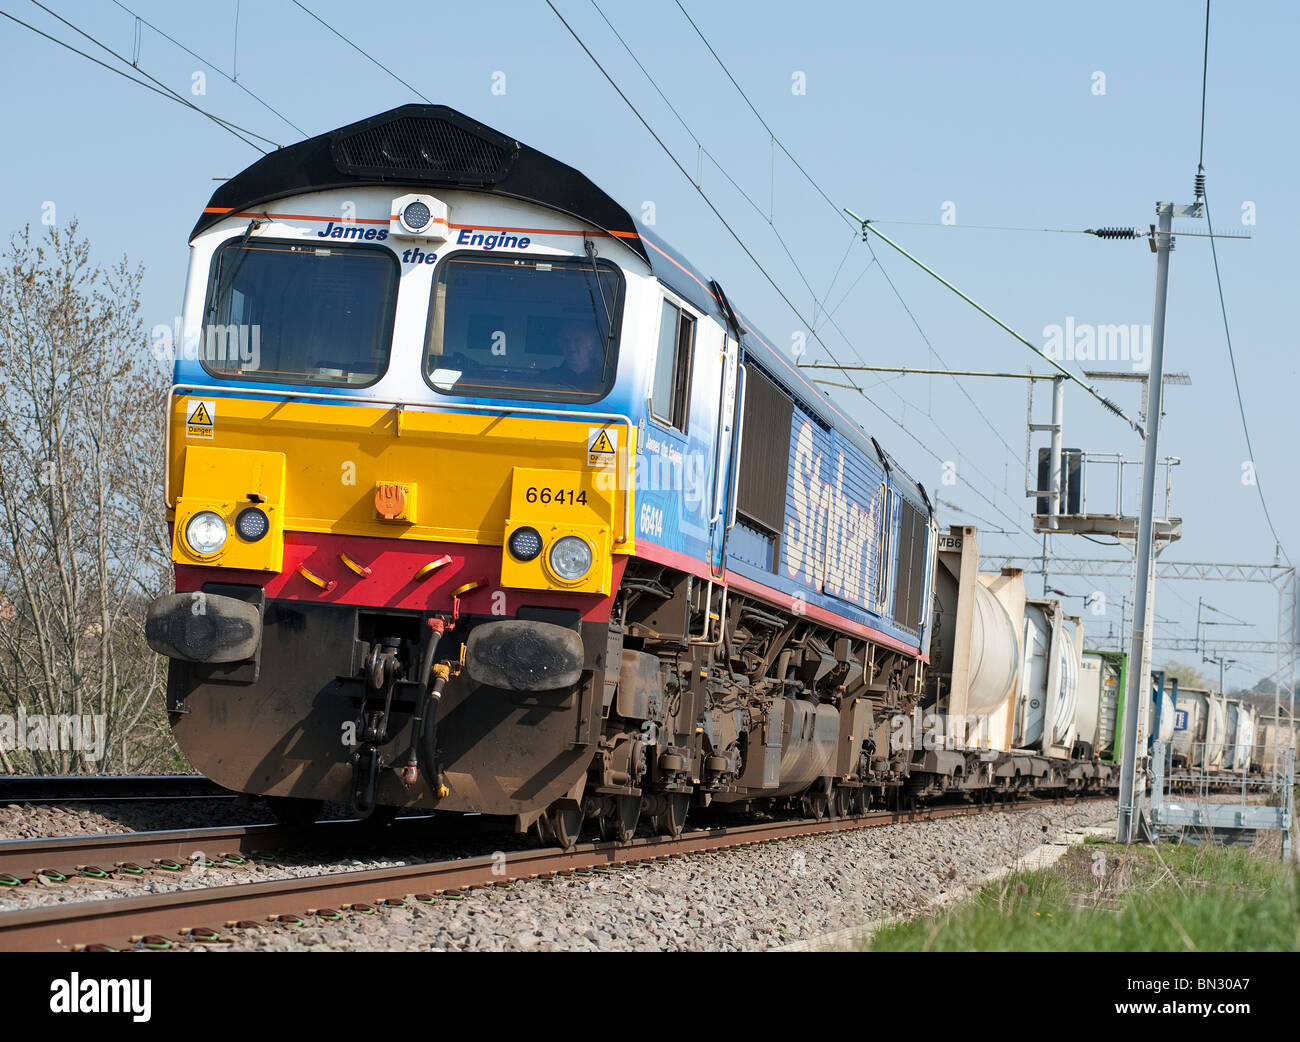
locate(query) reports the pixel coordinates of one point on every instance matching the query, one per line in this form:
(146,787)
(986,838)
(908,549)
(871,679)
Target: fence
(1195,795)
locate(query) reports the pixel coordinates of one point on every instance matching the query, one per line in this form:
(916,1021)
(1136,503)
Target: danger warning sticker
(602,446)
(200,419)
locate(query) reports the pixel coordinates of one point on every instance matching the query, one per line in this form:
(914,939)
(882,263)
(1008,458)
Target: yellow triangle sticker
(200,418)
(602,444)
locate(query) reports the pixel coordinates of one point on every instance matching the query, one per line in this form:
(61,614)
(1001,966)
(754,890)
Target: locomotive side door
(724,476)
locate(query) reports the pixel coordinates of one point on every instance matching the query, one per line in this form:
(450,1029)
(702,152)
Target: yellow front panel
(227,481)
(570,496)
(559,503)
(462,465)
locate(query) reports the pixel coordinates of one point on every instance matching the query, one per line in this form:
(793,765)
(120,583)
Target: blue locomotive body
(836,530)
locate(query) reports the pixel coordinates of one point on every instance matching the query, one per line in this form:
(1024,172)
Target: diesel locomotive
(484,499)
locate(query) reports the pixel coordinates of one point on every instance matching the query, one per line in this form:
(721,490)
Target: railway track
(95,856)
(211,914)
(129,853)
(109,788)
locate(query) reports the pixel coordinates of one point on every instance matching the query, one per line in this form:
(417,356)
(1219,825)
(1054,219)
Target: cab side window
(670,394)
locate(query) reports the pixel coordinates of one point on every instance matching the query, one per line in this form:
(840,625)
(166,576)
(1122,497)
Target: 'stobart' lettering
(828,537)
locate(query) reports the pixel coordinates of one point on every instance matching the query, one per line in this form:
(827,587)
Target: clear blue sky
(991,107)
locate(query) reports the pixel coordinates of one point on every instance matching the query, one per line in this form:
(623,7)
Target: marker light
(206,533)
(570,558)
(416,216)
(252,523)
(525,544)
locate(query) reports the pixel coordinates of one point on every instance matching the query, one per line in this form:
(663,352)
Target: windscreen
(292,313)
(523,327)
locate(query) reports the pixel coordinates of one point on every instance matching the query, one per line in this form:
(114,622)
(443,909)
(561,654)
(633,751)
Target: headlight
(416,216)
(570,558)
(205,533)
(252,523)
(525,544)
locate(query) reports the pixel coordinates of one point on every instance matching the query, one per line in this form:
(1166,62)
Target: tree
(1188,676)
(83,543)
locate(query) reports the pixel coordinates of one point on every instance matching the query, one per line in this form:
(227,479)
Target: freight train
(484,499)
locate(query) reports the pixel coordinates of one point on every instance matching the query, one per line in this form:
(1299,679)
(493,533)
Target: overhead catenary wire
(987,227)
(942,361)
(699,144)
(1218,281)
(821,304)
(867,227)
(685,173)
(370,58)
(933,422)
(721,219)
(1236,383)
(825,314)
(852,285)
(175,94)
(1205,68)
(698,187)
(820,310)
(771,133)
(232,128)
(841,213)
(214,67)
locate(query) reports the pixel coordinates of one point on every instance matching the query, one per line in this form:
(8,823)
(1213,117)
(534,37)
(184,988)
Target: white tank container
(1188,740)
(995,654)
(1167,718)
(1087,718)
(1216,731)
(1067,700)
(1037,671)
(1245,744)
(1049,687)
(1231,718)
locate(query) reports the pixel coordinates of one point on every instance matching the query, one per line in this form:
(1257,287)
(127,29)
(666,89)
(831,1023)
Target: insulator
(1114,233)
(1200,186)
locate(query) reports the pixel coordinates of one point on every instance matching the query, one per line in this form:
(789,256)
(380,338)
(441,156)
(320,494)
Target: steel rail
(158,920)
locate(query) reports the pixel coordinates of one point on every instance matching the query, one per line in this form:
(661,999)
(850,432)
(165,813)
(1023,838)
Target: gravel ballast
(764,897)
(34,820)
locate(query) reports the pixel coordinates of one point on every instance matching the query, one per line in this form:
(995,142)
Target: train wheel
(294,812)
(817,806)
(561,825)
(627,812)
(618,823)
(672,819)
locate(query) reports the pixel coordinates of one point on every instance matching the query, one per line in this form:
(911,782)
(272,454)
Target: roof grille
(421,147)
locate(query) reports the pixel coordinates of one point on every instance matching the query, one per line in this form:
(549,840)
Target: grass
(1105,897)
